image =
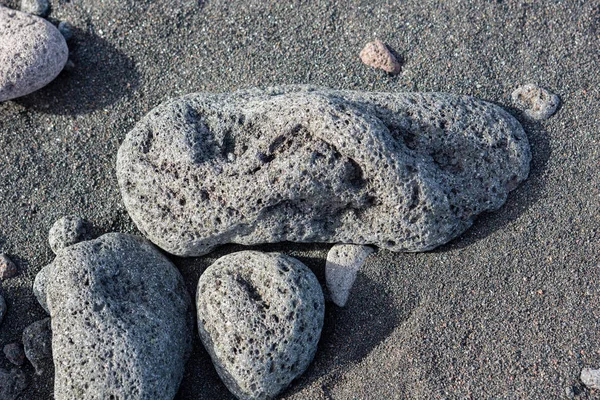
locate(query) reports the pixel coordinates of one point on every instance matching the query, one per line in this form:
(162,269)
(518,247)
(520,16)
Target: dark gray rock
(12,383)
(403,171)
(260,318)
(36,7)
(2,308)
(37,344)
(536,102)
(32,53)
(14,353)
(121,320)
(67,231)
(66,29)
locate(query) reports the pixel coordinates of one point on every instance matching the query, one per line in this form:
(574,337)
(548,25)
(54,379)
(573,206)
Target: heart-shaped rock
(32,53)
(260,317)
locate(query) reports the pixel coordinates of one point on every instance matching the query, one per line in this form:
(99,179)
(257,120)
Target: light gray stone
(67,231)
(402,171)
(36,7)
(343,262)
(121,320)
(260,317)
(32,53)
(537,103)
(37,344)
(12,383)
(590,378)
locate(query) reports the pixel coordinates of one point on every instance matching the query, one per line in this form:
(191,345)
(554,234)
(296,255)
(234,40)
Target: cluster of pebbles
(399,171)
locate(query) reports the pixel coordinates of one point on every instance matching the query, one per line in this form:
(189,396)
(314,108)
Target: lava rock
(14,353)
(12,383)
(121,320)
(66,29)
(37,344)
(32,53)
(36,7)
(536,102)
(67,231)
(403,171)
(376,54)
(2,308)
(343,262)
(590,378)
(8,269)
(260,317)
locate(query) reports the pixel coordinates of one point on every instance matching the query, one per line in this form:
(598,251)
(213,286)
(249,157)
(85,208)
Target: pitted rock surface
(260,317)
(403,171)
(32,53)
(37,343)
(121,320)
(67,231)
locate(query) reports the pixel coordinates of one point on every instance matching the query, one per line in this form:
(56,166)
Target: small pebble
(67,231)
(37,343)
(590,378)
(377,55)
(8,269)
(343,262)
(14,353)
(66,29)
(36,7)
(536,102)
(12,383)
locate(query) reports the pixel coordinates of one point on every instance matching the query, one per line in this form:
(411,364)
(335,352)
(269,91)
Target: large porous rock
(260,318)
(32,53)
(403,171)
(121,320)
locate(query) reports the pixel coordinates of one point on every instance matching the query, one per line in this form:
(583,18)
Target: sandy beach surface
(508,310)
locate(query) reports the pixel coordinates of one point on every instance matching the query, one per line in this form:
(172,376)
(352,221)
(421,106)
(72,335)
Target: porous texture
(37,344)
(8,269)
(36,7)
(343,262)
(590,378)
(404,171)
(32,53)
(260,317)
(12,383)
(376,54)
(67,231)
(536,102)
(120,315)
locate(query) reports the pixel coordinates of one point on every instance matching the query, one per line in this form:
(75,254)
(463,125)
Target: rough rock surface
(32,53)
(12,383)
(404,171)
(67,231)
(376,54)
(343,262)
(8,269)
(121,320)
(590,378)
(536,102)
(36,7)
(37,344)
(260,317)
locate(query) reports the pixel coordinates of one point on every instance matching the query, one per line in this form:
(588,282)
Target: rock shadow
(521,198)
(101,76)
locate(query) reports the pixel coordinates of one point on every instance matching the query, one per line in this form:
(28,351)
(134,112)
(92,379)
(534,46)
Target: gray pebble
(37,344)
(590,378)
(14,353)
(8,269)
(536,102)
(260,317)
(32,53)
(343,262)
(12,383)
(402,171)
(66,29)
(40,8)
(68,231)
(121,320)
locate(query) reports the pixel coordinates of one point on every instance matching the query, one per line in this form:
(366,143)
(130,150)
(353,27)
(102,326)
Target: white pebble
(343,262)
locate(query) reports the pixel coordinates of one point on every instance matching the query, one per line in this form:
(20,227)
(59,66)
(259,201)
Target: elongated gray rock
(32,53)
(260,317)
(121,320)
(403,171)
